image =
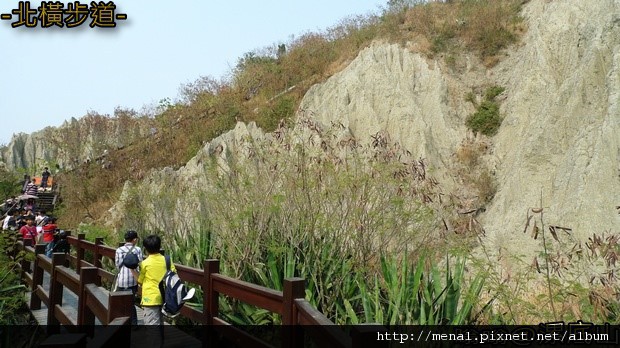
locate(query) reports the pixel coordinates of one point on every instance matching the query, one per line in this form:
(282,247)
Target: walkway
(173,336)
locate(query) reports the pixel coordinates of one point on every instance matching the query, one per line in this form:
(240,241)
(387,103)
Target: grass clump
(483,27)
(486,119)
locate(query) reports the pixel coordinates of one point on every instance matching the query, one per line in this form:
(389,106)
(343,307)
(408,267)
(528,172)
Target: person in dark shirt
(20,220)
(44,177)
(26,182)
(61,243)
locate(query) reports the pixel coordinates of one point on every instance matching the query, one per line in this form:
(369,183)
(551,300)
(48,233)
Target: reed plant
(312,203)
(568,279)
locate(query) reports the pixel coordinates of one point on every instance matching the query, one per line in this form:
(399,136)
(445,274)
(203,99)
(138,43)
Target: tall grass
(565,281)
(314,203)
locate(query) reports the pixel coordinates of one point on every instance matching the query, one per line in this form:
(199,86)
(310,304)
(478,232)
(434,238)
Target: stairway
(46,201)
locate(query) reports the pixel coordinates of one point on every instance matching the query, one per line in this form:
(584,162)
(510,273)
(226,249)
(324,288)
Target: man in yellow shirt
(152,270)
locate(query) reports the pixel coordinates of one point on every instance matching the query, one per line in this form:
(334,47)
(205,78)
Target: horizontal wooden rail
(189,274)
(68,278)
(249,293)
(65,315)
(97,302)
(45,263)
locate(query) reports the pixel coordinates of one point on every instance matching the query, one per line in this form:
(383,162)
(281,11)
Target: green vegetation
(12,304)
(486,119)
(10,183)
(349,218)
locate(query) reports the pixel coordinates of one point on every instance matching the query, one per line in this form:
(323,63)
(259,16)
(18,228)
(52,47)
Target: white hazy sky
(50,75)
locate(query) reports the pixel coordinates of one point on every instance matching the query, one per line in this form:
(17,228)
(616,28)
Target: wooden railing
(111,309)
(299,318)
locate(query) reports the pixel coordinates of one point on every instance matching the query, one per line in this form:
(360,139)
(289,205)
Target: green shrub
(282,108)
(486,119)
(493,92)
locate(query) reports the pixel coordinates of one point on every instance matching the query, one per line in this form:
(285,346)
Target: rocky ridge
(560,133)
(74,142)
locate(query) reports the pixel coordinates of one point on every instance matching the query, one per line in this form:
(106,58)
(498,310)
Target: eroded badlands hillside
(560,136)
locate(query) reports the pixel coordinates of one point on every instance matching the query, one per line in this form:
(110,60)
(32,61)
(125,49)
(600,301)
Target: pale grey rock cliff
(74,142)
(561,134)
(388,89)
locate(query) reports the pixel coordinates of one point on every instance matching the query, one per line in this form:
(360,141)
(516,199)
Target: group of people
(147,273)
(29,187)
(40,228)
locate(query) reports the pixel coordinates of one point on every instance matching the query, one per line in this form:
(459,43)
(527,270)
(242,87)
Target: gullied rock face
(561,132)
(72,143)
(171,196)
(26,149)
(389,90)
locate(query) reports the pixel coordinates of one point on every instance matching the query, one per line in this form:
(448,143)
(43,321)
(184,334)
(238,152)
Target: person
(49,229)
(41,220)
(125,279)
(7,218)
(11,202)
(20,220)
(10,221)
(44,177)
(32,188)
(26,182)
(30,205)
(152,270)
(61,244)
(29,230)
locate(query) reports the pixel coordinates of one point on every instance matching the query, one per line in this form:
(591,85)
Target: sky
(48,75)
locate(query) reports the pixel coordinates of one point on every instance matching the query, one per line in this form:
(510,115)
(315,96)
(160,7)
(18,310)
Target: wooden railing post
(80,251)
(85,315)
(97,257)
(120,305)
(210,301)
(37,277)
(68,260)
(58,259)
(24,263)
(292,334)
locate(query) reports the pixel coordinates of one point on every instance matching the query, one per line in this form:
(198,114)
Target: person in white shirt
(10,220)
(125,279)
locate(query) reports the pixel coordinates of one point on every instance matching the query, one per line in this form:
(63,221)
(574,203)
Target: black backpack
(131,260)
(173,292)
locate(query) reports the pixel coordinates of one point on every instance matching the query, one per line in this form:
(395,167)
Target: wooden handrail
(299,316)
(249,293)
(108,307)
